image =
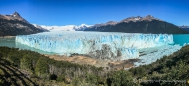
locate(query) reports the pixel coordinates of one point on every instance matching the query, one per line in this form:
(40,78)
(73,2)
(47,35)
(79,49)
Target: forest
(28,68)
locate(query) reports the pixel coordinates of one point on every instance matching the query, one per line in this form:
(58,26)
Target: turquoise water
(10,42)
(181,39)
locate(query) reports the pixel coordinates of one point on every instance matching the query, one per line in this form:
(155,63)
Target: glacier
(149,55)
(100,45)
(64,28)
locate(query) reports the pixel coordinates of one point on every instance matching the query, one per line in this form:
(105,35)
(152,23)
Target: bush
(60,78)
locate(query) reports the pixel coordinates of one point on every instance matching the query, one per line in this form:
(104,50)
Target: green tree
(41,68)
(91,78)
(121,78)
(14,58)
(26,63)
(76,81)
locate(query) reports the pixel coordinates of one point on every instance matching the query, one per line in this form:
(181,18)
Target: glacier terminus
(101,45)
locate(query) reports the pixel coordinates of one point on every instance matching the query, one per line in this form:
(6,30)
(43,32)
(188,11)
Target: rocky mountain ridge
(14,16)
(14,24)
(147,24)
(184,27)
(127,20)
(139,18)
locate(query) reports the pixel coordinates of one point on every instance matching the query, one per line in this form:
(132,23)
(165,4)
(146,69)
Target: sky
(76,12)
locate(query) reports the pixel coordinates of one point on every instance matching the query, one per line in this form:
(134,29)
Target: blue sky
(65,12)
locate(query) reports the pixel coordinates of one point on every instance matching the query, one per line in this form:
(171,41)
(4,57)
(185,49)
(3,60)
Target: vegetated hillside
(37,69)
(42,70)
(146,24)
(10,75)
(11,25)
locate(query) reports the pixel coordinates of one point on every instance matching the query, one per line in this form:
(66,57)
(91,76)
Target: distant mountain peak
(139,18)
(104,24)
(127,20)
(149,17)
(184,27)
(111,23)
(16,14)
(14,24)
(138,24)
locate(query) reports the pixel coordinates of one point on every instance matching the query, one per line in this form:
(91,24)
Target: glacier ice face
(102,45)
(150,55)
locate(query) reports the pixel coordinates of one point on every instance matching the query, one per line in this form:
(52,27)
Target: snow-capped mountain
(146,24)
(139,18)
(14,24)
(127,20)
(64,28)
(39,27)
(184,27)
(15,17)
(81,27)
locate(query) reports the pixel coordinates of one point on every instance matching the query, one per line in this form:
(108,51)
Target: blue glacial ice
(149,55)
(101,45)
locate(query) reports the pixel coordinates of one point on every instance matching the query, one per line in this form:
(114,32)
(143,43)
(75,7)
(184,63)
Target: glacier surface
(101,45)
(64,28)
(149,55)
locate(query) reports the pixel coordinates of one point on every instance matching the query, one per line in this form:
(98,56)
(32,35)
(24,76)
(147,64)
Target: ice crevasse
(101,45)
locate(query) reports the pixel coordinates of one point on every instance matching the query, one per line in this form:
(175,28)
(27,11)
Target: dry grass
(79,59)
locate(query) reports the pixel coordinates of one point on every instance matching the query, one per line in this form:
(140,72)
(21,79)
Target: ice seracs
(101,45)
(150,55)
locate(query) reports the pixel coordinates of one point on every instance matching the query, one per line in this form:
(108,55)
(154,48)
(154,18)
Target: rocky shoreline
(107,64)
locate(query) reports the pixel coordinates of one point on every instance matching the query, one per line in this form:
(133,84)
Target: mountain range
(14,24)
(147,24)
(184,27)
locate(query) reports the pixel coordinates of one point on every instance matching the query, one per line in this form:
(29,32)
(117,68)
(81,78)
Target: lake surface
(181,39)
(10,42)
